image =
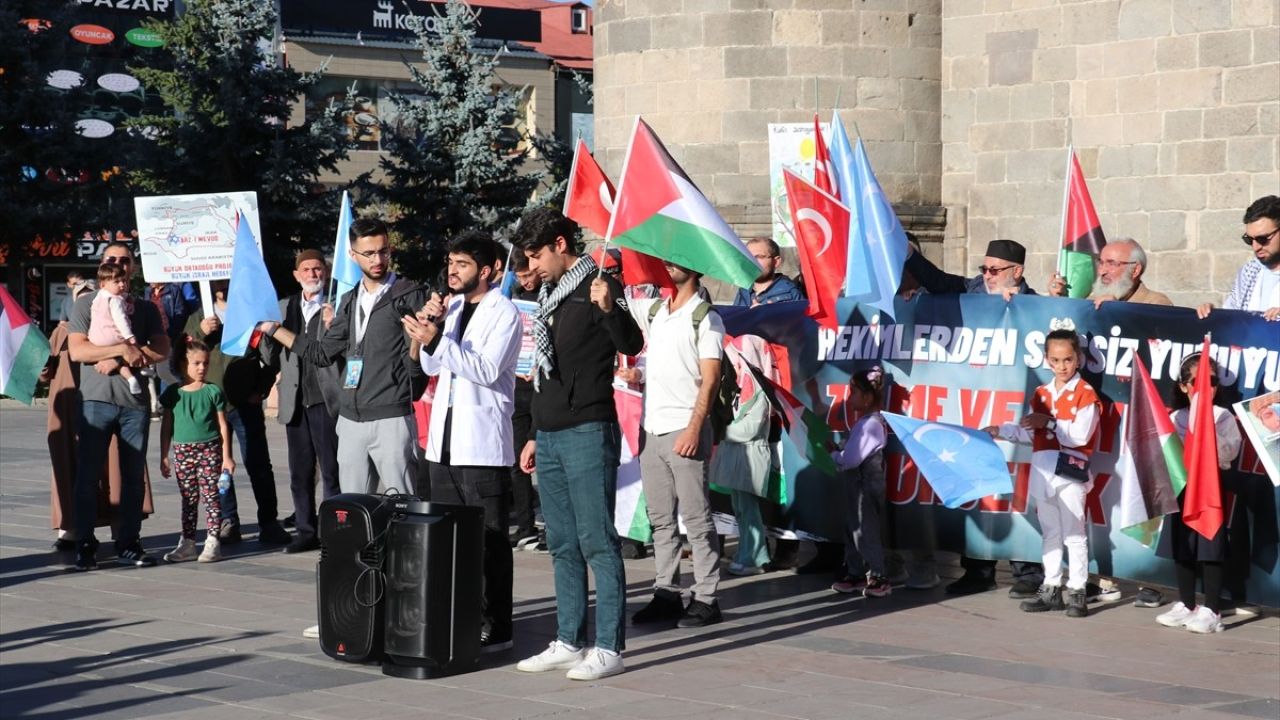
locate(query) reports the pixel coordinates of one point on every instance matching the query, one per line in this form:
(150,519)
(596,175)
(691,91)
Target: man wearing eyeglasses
(1257,285)
(999,274)
(379,380)
(1119,266)
(110,409)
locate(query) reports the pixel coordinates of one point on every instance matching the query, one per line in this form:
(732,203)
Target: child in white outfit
(1061,427)
(109,316)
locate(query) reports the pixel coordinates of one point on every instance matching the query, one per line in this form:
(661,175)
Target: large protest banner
(974,360)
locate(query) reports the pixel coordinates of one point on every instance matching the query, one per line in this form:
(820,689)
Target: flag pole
(1062,231)
(608,233)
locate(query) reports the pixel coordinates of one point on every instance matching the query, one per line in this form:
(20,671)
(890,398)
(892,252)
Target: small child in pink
(109,316)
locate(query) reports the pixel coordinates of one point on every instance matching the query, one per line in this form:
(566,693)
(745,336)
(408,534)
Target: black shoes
(520,539)
(1077,604)
(970,584)
(272,534)
(86,555)
(1149,598)
(633,550)
(132,555)
(302,543)
(64,545)
(291,521)
(1024,590)
(700,614)
(1048,598)
(664,607)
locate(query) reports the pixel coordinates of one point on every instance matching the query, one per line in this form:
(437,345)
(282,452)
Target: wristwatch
(1049,426)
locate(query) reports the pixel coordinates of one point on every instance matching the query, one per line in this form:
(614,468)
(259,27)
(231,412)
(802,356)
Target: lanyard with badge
(355,363)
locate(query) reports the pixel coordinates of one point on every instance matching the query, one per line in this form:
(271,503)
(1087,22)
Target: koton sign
(92,34)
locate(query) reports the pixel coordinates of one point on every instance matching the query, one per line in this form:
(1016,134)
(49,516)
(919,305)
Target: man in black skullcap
(1000,273)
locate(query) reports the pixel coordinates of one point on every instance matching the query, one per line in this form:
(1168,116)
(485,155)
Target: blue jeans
(98,421)
(250,428)
(753,543)
(577,480)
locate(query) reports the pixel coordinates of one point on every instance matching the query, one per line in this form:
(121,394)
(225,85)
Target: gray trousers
(374,450)
(677,486)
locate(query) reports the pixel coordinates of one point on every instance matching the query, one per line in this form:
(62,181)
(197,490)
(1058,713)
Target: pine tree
(230,102)
(450,164)
(53,182)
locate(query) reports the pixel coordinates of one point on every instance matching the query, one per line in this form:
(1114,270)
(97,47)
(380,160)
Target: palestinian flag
(659,212)
(1082,237)
(24,350)
(588,201)
(809,433)
(1149,465)
(1202,506)
(631,515)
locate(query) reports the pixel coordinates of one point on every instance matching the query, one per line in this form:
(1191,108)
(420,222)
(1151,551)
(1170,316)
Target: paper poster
(1260,418)
(791,147)
(524,363)
(184,238)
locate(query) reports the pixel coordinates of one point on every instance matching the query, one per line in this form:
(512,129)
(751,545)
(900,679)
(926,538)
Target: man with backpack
(682,378)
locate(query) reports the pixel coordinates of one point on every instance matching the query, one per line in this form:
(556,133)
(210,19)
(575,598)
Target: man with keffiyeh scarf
(577,334)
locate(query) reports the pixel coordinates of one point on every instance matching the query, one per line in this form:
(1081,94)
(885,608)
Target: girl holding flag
(1195,556)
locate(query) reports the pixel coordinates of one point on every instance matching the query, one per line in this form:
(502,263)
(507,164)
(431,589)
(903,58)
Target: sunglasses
(1261,240)
(993,270)
(117,260)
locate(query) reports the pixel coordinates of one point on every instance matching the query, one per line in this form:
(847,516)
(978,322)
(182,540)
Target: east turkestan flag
(660,212)
(251,297)
(1149,467)
(588,201)
(1082,235)
(960,463)
(24,350)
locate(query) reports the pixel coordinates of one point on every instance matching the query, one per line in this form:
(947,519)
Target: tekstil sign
(143,37)
(92,34)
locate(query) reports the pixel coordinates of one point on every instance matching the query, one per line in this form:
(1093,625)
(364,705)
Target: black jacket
(587,341)
(391,380)
(939,282)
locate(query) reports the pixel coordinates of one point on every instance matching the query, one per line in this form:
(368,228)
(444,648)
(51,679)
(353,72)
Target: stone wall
(1172,106)
(710,75)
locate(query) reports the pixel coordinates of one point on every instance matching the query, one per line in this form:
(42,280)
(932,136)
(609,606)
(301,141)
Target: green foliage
(451,162)
(230,101)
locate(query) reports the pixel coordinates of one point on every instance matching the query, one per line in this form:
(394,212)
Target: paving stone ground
(223,641)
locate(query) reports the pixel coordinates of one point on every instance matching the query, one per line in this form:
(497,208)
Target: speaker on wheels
(349,584)
(434,585)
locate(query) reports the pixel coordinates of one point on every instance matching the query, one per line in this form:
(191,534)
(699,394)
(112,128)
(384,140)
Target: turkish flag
(821,227)
(588,201)
(823,171)
(1202,498)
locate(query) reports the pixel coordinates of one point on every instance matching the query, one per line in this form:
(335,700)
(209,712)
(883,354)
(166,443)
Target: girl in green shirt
(195,425)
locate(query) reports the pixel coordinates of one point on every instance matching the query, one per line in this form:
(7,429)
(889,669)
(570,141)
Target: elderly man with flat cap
(1000,273)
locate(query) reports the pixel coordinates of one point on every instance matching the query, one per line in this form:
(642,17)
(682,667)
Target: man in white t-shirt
(1257,285)
(685,338)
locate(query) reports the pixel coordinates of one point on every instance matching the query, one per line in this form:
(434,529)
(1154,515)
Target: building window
(579,20)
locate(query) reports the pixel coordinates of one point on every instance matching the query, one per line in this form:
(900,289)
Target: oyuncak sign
(974,360)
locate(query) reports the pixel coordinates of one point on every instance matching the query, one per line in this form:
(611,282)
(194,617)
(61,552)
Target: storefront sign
(397,19)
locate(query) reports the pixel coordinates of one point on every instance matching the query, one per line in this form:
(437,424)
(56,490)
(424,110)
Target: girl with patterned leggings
(195,424)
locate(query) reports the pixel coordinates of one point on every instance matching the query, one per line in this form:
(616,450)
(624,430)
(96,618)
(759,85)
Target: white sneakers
(1201,620)
(1175,617)
(312,632)
(186,550)
(212,552)
(592,664)
(1204,621)
(598,663)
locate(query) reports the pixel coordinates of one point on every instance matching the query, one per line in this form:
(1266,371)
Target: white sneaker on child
(1175,617)
(1204,621)
(599,663)
(186,550)
(212,552)
(557,656)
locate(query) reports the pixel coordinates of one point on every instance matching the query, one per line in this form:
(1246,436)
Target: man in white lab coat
(472,344)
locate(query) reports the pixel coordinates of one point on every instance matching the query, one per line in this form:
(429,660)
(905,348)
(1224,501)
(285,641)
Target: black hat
(1007,250)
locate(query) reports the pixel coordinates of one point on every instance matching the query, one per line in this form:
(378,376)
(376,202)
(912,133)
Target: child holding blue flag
(861,466)
(1061,429)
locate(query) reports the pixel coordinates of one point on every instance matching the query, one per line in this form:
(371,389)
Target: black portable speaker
(349,584)
(434,585)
